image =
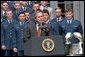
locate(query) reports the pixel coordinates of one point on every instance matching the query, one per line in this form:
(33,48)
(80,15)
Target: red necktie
(38,32)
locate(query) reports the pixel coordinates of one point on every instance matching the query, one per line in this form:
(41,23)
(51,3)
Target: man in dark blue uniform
(17,9)
(27,16)
(9,34)
(25,6)
(55,21)
(20,29)
(4,7)
(2,41)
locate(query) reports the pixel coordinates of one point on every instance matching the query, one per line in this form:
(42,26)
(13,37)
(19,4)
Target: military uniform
(9,36)
(70,26)
(20,29)
(55,26)
(2,40)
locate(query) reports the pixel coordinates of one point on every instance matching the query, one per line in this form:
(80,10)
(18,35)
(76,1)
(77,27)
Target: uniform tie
(69,22)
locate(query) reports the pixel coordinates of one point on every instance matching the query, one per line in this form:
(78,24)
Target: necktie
(57,19)
(10,21)
(21,23)
(17,11)
(69,22)
(38,32)
(24,8)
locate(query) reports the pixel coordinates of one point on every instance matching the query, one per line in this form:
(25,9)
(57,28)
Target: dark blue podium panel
(33,47)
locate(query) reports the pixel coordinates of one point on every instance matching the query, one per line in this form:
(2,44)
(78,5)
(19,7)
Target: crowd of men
(21,21)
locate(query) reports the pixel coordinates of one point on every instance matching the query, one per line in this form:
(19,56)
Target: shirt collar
(60,18)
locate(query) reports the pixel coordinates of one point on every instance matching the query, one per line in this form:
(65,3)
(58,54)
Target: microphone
(45,28)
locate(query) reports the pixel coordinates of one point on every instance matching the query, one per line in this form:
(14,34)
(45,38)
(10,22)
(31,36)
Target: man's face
(5,6)
(24,3)
(44,3)
(17,5)
(69,15)
(35,7)
(27,15)
(39,17)
(22,17)
(58,12)
(9,14)
(45,17)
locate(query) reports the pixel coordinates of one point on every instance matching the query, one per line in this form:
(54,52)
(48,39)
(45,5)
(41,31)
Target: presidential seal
(48,45)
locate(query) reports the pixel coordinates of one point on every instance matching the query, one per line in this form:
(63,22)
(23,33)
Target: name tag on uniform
(63,26)
(75,26)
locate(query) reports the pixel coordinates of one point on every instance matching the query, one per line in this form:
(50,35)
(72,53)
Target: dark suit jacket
(31,30)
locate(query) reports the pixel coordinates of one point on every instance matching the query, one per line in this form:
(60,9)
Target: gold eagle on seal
(48,45)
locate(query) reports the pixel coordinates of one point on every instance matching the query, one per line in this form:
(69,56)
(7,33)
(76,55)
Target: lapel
(54,20)
(72,24)
(7,22)
(72,21)
(66,23)
(23,26)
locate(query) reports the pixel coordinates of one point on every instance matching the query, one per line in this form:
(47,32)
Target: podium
(33,46)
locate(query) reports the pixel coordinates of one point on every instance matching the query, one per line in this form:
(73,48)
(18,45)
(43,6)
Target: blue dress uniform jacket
(75,26)
(2,41)
(2,35)
(20,29)
(9,34)
(27,8)
(55,26)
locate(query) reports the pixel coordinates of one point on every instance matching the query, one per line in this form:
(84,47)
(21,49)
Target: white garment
(75,50)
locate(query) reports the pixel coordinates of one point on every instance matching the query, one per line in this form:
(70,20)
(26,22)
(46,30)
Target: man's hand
(3,47)
(15,49)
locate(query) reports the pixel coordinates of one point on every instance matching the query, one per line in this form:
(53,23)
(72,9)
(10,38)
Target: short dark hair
(69,10)
(26,11)
(36,3)
(9,10)
(4,2)
(46,11)
(39,10)
(58,8)
(21,13)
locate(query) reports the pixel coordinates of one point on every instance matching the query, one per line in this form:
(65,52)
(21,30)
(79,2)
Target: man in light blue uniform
(56,20)
(70,25)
